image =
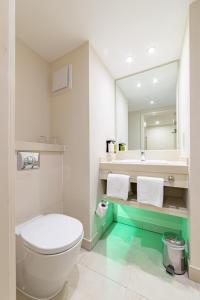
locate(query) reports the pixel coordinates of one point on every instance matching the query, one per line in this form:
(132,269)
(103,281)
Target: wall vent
(62,78)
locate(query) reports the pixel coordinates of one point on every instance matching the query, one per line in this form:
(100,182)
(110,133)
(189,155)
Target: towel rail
(169,179)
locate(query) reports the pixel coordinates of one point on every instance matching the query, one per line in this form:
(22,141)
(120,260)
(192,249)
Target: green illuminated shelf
(172,205)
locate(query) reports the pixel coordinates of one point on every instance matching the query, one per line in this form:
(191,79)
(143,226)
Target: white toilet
(47,248)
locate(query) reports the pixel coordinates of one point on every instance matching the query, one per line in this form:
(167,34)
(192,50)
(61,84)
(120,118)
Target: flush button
(28,160)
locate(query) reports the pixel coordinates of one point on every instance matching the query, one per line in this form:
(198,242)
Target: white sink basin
(146,162)
(156,162)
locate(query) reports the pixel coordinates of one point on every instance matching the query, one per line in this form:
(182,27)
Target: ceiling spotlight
(155,80)
(157,122)
(151,102)
(151,50)
(129,59)
(139,85)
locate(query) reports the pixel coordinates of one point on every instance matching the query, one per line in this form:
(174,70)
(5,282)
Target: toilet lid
(52,234)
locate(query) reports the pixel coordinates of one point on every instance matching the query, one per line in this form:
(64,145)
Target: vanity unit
(174,173)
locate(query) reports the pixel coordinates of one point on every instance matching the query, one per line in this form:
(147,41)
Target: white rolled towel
(118,186)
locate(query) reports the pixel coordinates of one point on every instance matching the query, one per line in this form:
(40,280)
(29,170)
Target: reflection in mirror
(146,109)
(159,130)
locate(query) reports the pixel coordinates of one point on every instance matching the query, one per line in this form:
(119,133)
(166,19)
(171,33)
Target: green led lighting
(148,220)
(127,244)
(143,229)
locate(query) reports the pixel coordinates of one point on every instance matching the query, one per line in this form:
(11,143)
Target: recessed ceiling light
(138,85)
(151,102)
(145,124)
(151,50)
(157,122)
(155,80)
(129,59)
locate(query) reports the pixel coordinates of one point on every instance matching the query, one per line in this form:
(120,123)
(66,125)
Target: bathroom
(81,74)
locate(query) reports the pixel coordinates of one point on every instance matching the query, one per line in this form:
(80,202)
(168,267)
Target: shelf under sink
(172,205)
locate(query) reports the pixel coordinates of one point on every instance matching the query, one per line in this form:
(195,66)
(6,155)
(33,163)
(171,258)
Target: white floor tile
(163,287)
(138,266)
(129,295)
(91,285)
(198,286)
(105,266)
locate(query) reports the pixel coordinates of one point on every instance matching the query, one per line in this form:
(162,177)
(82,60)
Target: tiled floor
(126,264)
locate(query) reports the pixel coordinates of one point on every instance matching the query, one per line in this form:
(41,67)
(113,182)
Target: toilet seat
(51,234)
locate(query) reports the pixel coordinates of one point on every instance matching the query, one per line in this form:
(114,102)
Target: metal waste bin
(174,258)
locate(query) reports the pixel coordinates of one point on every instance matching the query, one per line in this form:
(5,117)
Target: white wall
(83,118)
(7,71)
(194,186)
(183,92)
(37,191)
(32,94)
(134,130)
(40,191)
(70,122)
(121,117)
(102,127)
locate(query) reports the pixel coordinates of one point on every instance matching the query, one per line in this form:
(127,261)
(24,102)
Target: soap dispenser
(110,146)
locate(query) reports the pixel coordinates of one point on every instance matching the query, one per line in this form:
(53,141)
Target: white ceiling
(115,28)
(163,93)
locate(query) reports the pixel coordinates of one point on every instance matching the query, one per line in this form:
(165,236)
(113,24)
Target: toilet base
(49,298)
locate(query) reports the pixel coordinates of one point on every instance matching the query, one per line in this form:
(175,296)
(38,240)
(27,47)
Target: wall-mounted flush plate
(28,160)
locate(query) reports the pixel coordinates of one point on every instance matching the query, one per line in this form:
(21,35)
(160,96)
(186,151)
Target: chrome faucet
(142,156)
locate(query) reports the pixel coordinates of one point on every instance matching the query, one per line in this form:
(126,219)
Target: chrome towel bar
(169,179)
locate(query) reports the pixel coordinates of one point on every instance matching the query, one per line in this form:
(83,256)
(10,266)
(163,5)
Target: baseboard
(89,244)
(194,273)
(86,244)
(96,238)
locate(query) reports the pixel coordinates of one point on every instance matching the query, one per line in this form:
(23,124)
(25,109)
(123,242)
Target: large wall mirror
(146,115)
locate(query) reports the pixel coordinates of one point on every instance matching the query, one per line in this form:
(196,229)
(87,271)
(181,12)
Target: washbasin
(145,162)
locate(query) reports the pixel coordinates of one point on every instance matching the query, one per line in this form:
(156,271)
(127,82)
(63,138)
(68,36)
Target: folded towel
(118,186)
(150,190)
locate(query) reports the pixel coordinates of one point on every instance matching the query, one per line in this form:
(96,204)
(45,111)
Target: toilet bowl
(47,248)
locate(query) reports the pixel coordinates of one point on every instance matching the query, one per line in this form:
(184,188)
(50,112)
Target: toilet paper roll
(102,209)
